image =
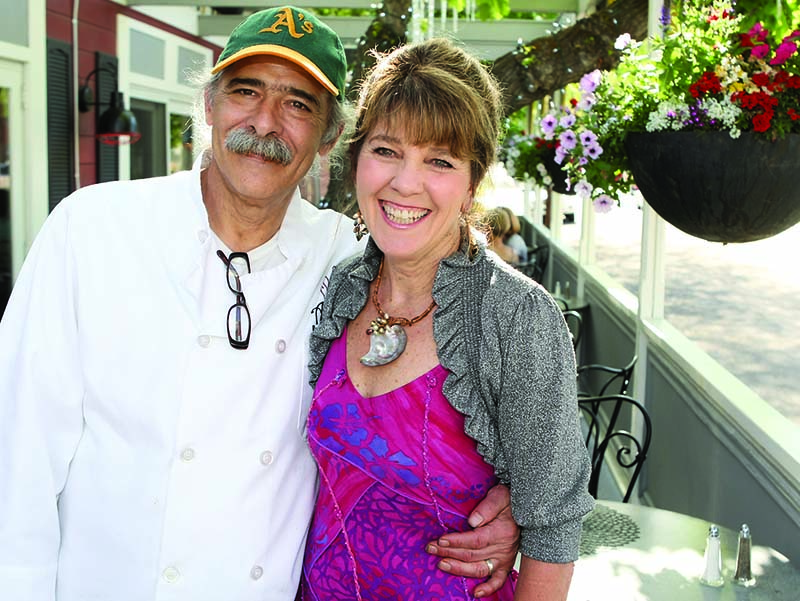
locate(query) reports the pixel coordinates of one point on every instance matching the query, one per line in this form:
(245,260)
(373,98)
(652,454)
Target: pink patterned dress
(396,472)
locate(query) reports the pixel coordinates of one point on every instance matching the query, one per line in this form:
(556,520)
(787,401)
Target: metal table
(636,553)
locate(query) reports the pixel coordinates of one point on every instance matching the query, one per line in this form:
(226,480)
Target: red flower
(708,83)
(760,79)
(761,122)
(793,114)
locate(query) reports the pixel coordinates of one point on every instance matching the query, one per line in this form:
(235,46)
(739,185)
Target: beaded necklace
(387,338)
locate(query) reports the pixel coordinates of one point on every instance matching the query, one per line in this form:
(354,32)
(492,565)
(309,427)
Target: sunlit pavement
(737,302)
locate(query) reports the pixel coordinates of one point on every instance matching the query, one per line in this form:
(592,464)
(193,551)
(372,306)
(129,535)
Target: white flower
(623,41)
(583,188)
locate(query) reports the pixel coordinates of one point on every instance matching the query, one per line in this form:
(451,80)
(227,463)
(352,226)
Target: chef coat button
(257,572)
(187,454)
(204,340)
(267,457)
(280,346)
(202,235)
(171,574)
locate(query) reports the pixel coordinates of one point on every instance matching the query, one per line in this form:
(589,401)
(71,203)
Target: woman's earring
(359,227)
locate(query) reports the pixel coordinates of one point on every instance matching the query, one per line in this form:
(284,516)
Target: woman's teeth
(404,216)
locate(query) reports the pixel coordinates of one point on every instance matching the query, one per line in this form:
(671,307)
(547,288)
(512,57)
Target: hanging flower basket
(718,188)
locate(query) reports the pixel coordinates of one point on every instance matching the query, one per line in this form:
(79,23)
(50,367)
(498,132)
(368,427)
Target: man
(153,390)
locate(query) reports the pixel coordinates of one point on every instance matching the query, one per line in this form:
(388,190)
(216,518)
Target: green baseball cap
(294,34)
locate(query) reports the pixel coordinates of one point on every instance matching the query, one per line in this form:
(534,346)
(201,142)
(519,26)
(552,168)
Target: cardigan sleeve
(538,424)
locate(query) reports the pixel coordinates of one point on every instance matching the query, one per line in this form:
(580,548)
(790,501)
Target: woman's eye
(442,163)
(383,151)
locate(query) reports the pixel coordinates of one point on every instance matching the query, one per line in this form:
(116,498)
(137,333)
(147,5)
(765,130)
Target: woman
(499,226)
(438,369)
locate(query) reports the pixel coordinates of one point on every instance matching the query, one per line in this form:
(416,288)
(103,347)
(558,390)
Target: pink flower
(760,51)
(783,52)
(757,32)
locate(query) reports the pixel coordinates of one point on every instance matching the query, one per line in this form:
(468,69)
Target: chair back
(537,263)
(609,437)
(575,324)
(596,379)
(527,231)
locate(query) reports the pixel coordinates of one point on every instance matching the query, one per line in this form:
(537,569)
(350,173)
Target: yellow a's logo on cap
(285,19)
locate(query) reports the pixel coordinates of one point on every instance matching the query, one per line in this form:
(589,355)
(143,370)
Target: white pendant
(385,345)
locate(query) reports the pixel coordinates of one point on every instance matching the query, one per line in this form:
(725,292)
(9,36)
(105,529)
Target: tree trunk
(549,63)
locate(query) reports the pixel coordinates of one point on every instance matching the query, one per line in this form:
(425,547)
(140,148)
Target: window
(148,155)
(180,142)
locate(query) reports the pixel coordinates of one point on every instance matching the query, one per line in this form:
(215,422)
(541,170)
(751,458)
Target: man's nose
(266,118)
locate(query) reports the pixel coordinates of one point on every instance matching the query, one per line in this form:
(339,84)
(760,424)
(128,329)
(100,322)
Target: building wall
(97,32)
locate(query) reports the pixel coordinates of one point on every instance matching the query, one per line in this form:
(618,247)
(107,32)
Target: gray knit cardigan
(511,373)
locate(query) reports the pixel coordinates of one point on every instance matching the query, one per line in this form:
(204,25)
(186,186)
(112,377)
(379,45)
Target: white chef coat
(141,457)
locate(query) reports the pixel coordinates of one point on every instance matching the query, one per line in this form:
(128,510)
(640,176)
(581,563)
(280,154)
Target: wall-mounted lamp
(115,125)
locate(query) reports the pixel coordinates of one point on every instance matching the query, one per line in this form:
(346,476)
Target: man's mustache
(270,147)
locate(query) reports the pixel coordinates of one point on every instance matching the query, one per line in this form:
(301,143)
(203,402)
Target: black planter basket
(718,188)
(558,175)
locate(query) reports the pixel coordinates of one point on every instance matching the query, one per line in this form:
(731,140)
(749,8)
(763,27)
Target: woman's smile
(400,215)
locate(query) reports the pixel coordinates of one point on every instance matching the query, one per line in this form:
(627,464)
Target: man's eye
(300,105)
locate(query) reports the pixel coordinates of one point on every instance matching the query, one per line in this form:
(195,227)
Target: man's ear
(326,148)
(208,102)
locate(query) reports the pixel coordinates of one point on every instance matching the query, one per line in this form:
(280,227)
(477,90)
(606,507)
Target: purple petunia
(586,102)
(590,81)
(568,139)
(603,203)
(592,150)
(549,123)
(583,188)
(567,121)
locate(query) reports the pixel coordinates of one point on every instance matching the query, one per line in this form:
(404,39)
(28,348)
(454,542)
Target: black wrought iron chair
(608,420)
(537,262)
(575,324)
(595,379)
(561,302)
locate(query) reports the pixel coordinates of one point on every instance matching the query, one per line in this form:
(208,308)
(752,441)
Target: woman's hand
(495,537)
